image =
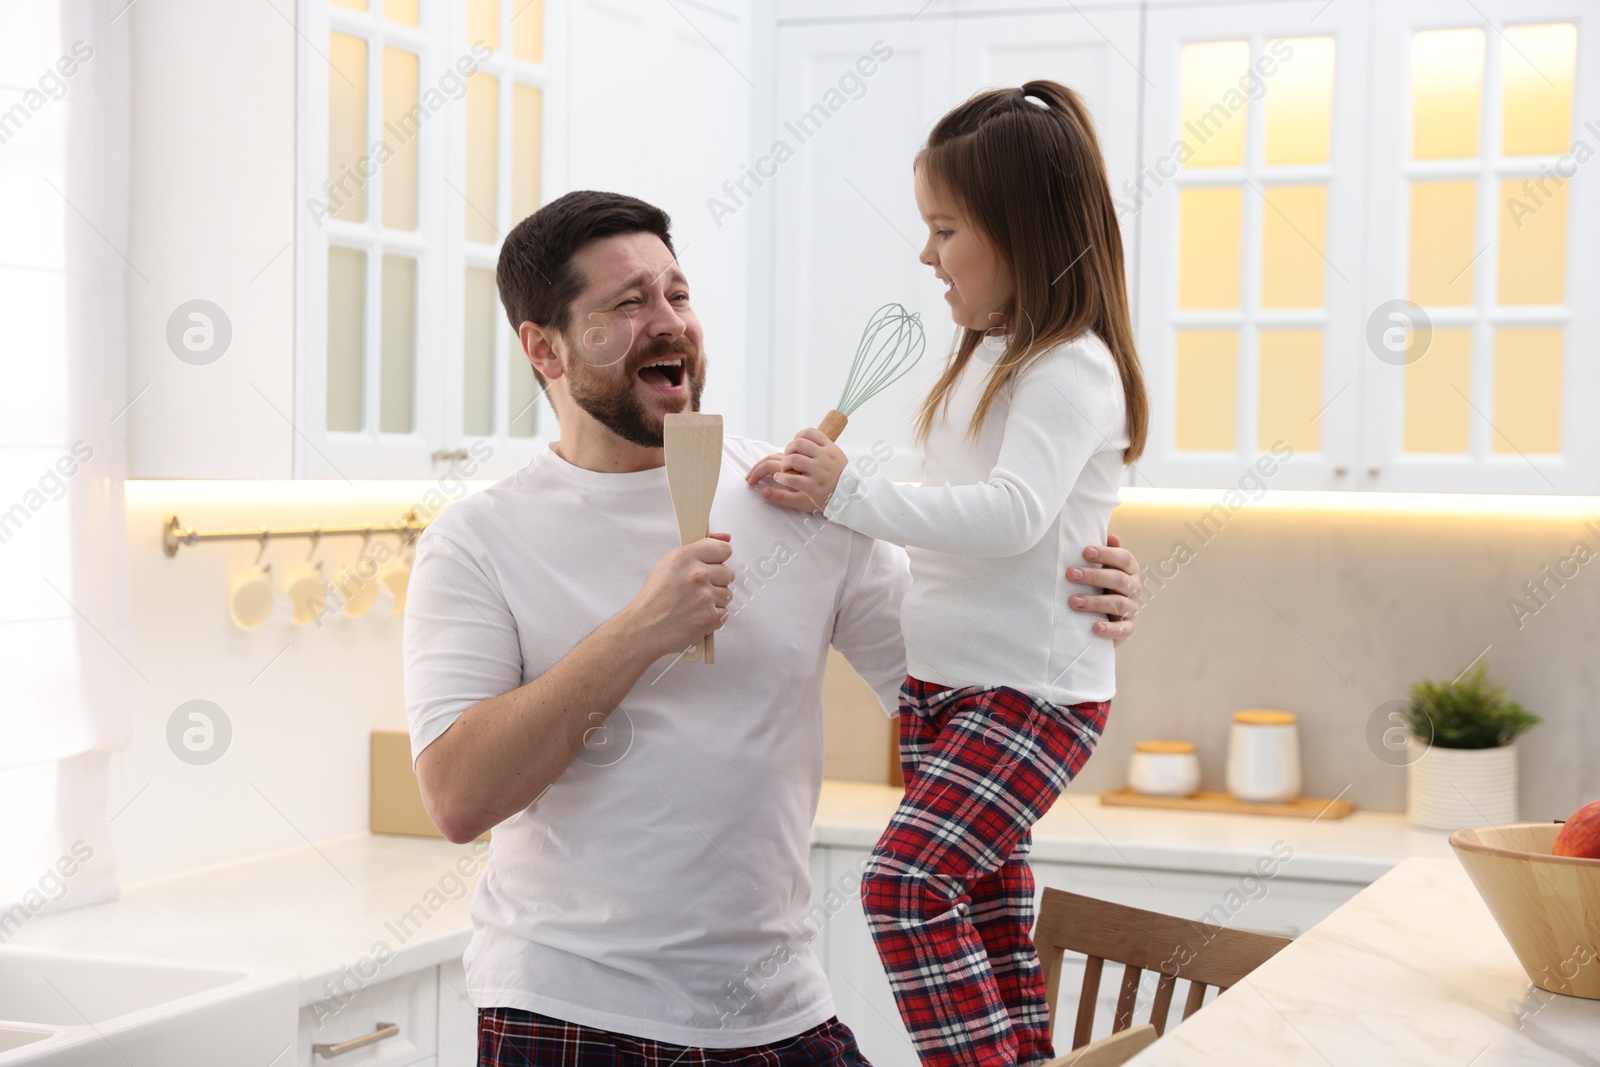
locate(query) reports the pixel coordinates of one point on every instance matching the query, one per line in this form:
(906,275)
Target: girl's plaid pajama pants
(948,892)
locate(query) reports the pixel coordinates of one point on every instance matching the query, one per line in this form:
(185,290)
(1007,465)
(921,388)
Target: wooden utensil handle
(711,648)
(832,425)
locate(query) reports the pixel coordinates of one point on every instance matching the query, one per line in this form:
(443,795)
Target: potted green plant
(1463,769)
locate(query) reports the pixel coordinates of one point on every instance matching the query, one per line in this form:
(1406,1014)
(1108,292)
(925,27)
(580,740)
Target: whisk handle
(832,425)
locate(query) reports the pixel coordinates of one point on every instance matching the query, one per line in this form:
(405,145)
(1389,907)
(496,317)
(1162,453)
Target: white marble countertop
(338,907)
(331,911)
(1358,848)
(1412,970)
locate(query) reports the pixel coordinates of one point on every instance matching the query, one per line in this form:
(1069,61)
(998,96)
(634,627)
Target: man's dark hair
(536,276)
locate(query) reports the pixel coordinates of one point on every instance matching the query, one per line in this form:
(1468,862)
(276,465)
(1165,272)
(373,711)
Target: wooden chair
(1199,952)
(1112,1051)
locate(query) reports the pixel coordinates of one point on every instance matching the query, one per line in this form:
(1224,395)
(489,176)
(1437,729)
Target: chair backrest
(1198,952)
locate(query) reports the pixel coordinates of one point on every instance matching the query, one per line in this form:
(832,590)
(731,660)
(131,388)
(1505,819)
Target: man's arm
(1118,575)
(866,616)
(503,751)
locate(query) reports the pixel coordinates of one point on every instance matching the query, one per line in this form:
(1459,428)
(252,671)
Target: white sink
(76,1010)
(14,1037)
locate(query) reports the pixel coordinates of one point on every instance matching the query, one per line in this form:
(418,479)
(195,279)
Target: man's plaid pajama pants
(948,892)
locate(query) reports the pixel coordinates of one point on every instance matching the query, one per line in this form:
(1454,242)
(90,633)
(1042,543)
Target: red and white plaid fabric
(948,892)
(511,1037)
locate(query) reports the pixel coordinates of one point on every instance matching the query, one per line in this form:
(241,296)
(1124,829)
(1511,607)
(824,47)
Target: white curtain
(65,679)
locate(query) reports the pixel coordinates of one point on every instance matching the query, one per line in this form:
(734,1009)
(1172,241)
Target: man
(651,814)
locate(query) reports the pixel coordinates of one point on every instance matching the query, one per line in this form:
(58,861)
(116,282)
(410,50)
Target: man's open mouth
(665,375)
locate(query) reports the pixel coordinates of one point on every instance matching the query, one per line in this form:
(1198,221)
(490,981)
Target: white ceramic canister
(1264,757)
(1164,769)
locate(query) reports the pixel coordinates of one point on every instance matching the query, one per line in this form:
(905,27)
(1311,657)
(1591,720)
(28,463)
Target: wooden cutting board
(1299,808)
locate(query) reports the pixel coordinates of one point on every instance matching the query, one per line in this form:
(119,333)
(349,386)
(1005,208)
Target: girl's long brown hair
(1032,179)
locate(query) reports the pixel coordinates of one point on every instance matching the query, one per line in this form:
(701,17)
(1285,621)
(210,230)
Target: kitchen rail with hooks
(174,534)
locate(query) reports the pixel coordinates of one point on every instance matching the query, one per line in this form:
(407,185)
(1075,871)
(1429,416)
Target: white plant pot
(1454,788)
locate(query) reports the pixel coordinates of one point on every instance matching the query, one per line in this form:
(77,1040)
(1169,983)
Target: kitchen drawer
(411,1001)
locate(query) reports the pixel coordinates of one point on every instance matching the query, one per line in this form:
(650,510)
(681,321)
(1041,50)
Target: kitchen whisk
(890,346)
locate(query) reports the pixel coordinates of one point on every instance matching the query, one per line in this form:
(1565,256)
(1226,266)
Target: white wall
(301,701)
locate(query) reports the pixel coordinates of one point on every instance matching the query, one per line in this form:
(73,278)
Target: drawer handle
(382,1033)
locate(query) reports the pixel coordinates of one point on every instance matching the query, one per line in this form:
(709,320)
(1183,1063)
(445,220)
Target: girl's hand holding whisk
(811,466)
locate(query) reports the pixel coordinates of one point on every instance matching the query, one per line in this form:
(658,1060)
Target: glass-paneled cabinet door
(1249,209)
(425,133)
(494,406)
(1483,262)
(367,252)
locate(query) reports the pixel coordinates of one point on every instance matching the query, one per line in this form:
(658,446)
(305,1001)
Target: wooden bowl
(1547,906)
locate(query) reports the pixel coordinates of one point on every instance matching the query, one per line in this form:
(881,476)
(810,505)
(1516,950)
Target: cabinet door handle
(382,1033)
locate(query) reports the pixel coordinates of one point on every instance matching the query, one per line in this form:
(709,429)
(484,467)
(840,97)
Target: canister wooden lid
(1262,717)
(1165,748)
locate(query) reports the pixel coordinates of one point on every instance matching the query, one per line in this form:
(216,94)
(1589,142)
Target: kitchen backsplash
(1318,610)
(1301,603)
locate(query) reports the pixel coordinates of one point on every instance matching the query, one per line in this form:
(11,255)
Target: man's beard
(614,404)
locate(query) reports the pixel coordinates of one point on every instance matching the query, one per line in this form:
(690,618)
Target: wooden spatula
(694,462)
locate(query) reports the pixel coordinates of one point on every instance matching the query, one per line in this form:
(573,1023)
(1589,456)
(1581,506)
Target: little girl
(1026,432)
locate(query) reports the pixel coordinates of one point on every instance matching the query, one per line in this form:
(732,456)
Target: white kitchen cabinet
(458,1019)
(211,206)
(1250,282)
(1094,51)
(846,231)
(437,1023)
(1283,906)
(661,97)
(409,1002)
(1501,258)
(526,131)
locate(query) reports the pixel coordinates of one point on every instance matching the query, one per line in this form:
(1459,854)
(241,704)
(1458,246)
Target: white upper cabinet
(426,131)
(406,361)
(661,97)
(1484,209)
(855,101)
(1249,208)
(1356,234)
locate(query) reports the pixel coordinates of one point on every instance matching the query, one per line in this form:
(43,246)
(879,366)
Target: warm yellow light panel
(483,22)
(522,389)
(1446,93)
(1210,233)
(354,5)
(1533,242)
(1442,243)
(527,30)
(347,317)
(1291,389)
(1438,418)
(1294,241)
(1527,390)
(402,124)
(347,126)
(1537,68)
(481,306)
(402,11)
(1206,419)
(527,115)
(1211,103)
(1299,103)
(397,346)
(483,157)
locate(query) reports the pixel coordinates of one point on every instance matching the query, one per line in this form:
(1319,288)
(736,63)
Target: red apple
(1580,835)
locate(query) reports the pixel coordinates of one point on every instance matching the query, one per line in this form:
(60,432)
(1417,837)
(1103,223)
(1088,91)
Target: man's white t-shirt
(660,886)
